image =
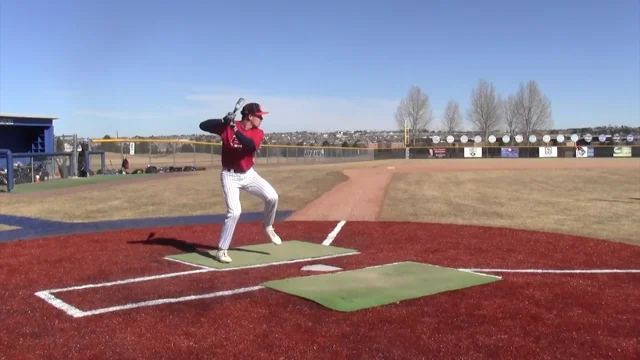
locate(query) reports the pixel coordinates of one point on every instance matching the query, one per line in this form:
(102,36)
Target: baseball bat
(239,104)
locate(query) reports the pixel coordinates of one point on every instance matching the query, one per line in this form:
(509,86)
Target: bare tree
(510,115)
(452,120)
(415,111)
(485,111)
(532,109)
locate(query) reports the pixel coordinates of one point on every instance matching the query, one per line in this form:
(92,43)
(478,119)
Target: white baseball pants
(253,183)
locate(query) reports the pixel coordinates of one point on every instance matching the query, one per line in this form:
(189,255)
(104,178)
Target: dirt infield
(525,315)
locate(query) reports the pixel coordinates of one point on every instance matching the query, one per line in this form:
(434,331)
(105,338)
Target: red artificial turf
(522,316)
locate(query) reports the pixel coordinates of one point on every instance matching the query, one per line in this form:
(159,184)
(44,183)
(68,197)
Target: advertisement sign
(548,151)
(473,152)
(584,152)
(438,153)
(132,148)
(622,151)
(509,152)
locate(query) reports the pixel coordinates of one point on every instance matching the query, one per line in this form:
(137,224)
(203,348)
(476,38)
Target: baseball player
(239,144)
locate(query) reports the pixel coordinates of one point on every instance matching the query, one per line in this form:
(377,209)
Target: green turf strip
(264,254)
(72,182)
(365,288)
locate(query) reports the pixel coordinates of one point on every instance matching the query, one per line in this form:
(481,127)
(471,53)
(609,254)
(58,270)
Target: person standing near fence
(239,144)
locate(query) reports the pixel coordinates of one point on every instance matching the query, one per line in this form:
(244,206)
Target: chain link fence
(176,155)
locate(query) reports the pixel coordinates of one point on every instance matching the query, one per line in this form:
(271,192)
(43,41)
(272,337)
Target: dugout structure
(26,134)
(28,151)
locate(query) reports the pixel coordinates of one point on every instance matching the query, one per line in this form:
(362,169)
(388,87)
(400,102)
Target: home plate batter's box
(341,291)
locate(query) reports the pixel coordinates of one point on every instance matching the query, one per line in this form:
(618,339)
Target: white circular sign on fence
(616,137)
(464,139)
(435,139)
(519,138)
(574,137)
(477,139)
(602,138)
(546,138)
(532,138)
(588,138)
(560,138)
(492,139)
(506,138)
(450,139)
(630,138)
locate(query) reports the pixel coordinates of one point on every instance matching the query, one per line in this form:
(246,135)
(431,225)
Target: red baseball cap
(253,109)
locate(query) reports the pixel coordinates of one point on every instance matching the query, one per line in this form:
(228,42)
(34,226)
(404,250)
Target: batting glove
(229,118)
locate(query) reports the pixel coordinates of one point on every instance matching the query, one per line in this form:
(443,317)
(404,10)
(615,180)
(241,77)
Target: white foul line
(552,271)
(480,274)
(332,235)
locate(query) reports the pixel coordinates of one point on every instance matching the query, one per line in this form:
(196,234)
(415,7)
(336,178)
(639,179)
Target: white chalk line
(170,300)
(77,313)
(332,235)
(480,274)
(131,280)
(273,263)
(67,308)
(558,271)
(47,295)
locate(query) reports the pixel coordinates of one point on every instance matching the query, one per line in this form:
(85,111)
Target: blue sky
(161,67)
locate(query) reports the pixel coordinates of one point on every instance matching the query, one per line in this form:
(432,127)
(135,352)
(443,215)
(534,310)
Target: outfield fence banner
(548,151)
(473,152)
(622,151)
(509,152)
(438,153)
(584,152)
(316,153)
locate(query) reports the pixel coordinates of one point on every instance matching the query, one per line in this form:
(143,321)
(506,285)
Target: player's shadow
(187,247)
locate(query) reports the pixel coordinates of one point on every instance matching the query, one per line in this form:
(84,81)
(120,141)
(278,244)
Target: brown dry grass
(590,202)
(193,194)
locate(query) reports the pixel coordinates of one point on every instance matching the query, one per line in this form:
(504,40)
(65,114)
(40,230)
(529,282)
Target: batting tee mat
(380,285)
(264,254)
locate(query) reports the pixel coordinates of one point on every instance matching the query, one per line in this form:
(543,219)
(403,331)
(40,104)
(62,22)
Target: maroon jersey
(234,156)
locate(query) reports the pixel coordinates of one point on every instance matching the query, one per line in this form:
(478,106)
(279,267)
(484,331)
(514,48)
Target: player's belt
(236,171)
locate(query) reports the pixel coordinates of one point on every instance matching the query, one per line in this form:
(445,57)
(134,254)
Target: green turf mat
(263,254)
(365,288)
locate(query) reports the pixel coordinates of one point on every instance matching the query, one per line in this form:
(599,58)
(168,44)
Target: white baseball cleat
(222,256)
(272,235)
